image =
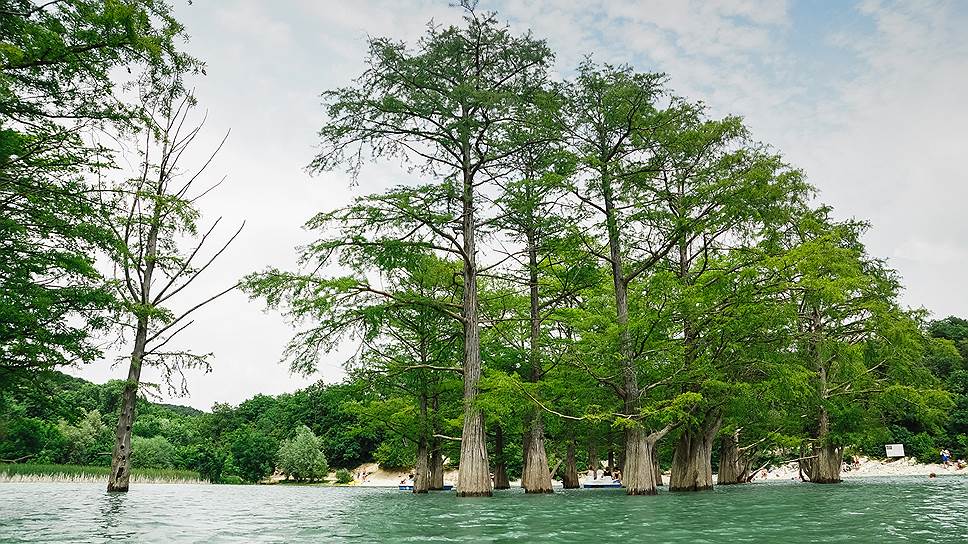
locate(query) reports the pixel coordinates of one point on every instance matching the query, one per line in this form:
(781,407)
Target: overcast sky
(869,98)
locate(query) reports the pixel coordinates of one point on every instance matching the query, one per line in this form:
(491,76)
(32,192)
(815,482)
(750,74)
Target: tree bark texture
(421,477)
(500,469)
(537,476)
(638,473)
(474,479)
(734,464)
(692,468)
(570,478)
(436,466)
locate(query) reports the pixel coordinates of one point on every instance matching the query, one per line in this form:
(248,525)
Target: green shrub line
(73,473)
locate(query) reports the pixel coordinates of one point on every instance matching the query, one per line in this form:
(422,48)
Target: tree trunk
(421,477)
(474,478)
(657,465)
(734,464)
(611,461)
(570,479)
(500,468)
(594,464)
(825,467)
(638,472)
(692,468)
(120,476)
(536,477)
(827,460)
(436,466)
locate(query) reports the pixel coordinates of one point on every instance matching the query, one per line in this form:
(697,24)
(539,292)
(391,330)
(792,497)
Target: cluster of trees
(584,268)
(591,265)
(60,419)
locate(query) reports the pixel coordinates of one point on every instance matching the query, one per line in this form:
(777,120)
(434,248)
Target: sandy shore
(867,468)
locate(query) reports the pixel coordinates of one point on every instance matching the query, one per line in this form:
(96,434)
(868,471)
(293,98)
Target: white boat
(409,487)
(602,483)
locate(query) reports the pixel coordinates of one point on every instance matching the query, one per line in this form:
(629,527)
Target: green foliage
(254,454)
(343,476)
(395,454)
(301,456)
(155,452)
(61,66)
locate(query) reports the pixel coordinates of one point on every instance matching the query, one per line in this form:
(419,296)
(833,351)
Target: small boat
(602,484)
(447,487)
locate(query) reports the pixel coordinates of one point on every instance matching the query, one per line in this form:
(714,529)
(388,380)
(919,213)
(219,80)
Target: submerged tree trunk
(734,464)
(570,479)
(120,476)
(594,464)
(421,477)
(436,466)
(692,468)
(500,469)
(536,477)
(824,466)
(638,472)
(474,478)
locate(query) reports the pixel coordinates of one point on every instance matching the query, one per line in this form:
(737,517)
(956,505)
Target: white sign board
(894,450)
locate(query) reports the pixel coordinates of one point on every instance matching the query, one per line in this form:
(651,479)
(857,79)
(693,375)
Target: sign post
(894,450)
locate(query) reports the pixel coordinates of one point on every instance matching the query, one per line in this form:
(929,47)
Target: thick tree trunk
(827,460)
(436,466)
(638,473)
(500,469)
(536,477)
(657,465)
(824,467)
(570,479)
(692,468)
(734,465)
(421,477)
(474,478)
(120,476)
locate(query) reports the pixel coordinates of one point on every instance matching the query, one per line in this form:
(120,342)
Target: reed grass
(34,472)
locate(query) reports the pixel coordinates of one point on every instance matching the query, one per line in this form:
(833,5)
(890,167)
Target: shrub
(154,452)
(343,476)
(301,457)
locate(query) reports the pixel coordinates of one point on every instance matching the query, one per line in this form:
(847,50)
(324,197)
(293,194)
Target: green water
(862,510)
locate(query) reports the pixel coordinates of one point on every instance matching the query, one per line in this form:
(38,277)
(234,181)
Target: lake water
(861,510)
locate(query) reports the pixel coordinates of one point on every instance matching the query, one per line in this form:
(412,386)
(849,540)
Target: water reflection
(111,511)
